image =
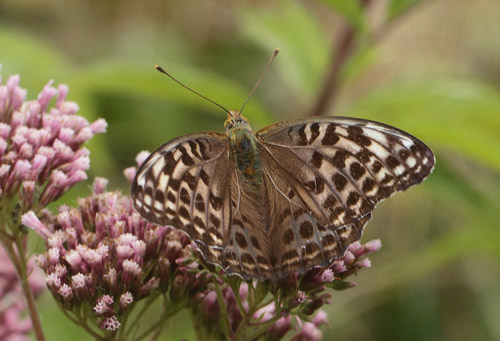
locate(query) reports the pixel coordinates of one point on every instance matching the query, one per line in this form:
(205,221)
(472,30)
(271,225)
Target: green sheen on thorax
(244,147)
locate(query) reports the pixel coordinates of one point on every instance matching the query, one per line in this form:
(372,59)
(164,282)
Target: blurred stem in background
(343,48)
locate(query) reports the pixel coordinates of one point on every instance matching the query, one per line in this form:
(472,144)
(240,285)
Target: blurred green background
(431,68)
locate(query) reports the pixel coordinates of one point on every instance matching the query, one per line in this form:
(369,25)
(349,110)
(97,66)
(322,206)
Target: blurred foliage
(428,67)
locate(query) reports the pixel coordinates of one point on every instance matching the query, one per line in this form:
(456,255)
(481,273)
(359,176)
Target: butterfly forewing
(186,183)
(330,173)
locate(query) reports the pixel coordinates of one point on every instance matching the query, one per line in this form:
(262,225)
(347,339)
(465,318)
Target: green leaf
(304,46)
(458,115)
(35,60)
(399,7)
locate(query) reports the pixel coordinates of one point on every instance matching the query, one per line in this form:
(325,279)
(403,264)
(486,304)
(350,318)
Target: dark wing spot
(339,158)
(329,202)
(302,136)
(203,150)
(368,184)
(290,255)
(364,156)
(186,159)
(314,132)
(171,196)
(255,242)
(317,160)
(199,203)
(330,137)
(288,236)
(193,145)
(190,180)
(328,240)
(320,185)
(174,184)
(241,240)
(376,166)
(392,162)
(160,196)
(183,212)
(184,196)
(197,221)
(340,181)
(306,230)
(170,163)
(262,261)
(215,201)
(246,258)
(387,178)
(214,220)
(357,135)
(204,177)
(357,170)
(311,248)
(404,154)
(352,199)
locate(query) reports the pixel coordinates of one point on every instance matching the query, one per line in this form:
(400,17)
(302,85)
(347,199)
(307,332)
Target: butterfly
(288,198)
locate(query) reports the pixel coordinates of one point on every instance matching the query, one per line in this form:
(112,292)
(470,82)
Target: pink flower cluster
(13,323)
(104,254)
(41,153)
(298,295)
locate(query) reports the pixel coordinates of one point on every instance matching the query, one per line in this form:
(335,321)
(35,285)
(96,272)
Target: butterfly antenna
(275,53)
(159,68)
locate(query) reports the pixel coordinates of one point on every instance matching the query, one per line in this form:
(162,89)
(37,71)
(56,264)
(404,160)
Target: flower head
(41,147)
(103,253)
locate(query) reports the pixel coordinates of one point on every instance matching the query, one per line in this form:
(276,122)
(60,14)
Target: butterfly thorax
(244,148)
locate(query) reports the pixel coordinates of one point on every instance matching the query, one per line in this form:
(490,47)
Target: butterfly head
(235,120)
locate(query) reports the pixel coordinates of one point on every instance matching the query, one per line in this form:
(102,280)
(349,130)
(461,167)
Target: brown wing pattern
(186,183)
(327,175)
(248,249)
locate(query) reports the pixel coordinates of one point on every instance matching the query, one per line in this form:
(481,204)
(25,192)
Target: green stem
(236,292)
(254,306)
(82,323)
(226,326)
(19,261)
(161,321)
(263,327)
(137,318)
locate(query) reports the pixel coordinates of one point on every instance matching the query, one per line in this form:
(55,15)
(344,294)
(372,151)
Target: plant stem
(158,323)
(19,261)
(226,326)
(343,49)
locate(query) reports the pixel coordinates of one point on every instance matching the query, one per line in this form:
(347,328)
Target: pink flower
(46,144)
(103,252)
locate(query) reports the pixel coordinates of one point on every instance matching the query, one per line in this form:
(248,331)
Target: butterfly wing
(328,174)
(186,183)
